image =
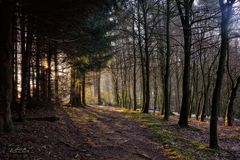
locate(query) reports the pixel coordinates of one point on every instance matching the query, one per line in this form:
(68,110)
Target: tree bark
(83,89)
(134,66)
(49,72)
(185,19)
(25,69)
(115,85)
(72,90)
(99,88)
(147,62)
(206,102)
(56,76)
(37,91)
(230,114)
(15,62)
(166,77)
(6,15)
(141,55)
(226,10)
(155,91)
(80,95)
(43,83)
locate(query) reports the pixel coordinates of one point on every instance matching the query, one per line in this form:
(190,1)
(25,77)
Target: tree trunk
(193,94)
(147,62)
(33,78)
(73,83)
(177,92)
(80,95)
(76,91)
(230,115)
(83,89)
(134,66)
(43,83)
(226,10)
(155,92)
(206,88)
(25,69)
(129,91)
(6,15)
(49,72)
(141,55)
(183,121)
(124,76)
(185,19)
(199,106)
(56,76)
(37,91)
(116,95)
(15,62)
(185,16)
(99,88)
(166,77)
(206,102)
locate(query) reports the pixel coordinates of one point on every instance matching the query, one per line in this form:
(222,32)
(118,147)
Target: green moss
(233,136)
(175,144)
(154,124)
(174,153)
(164,134)
(192,128)
(203,147)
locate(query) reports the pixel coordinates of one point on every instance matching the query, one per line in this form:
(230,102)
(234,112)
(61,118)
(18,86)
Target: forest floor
(108,133)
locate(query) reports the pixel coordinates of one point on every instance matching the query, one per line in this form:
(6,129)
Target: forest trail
(91,133)
(109,135)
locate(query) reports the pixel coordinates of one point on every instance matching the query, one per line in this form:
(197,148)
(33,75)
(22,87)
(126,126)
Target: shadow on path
(111,136)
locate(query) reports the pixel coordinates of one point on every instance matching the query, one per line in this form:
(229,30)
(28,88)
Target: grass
(233,136)
(174,140)
(192,128)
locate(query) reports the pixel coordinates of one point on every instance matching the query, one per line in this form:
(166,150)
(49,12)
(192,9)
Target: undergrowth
(172,138)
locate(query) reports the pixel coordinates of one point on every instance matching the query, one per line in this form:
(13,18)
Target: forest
(120,79)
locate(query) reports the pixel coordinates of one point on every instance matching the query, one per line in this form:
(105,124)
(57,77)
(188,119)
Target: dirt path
(108,135)
(93,133)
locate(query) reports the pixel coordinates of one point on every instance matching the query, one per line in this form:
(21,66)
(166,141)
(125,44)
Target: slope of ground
(90,133)
(107,133)
(191,142)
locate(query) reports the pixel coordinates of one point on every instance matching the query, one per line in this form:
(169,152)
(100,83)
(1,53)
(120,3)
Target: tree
(75,96)
(6,32)
(99,88)
(141,54)
(166,77)
(229,113)
(32,29)
(184,9)
(26,56)
(143,5)
(235,81)
(134,60)
(226,11)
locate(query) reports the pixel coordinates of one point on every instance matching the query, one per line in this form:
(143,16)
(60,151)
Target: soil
(91,133)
